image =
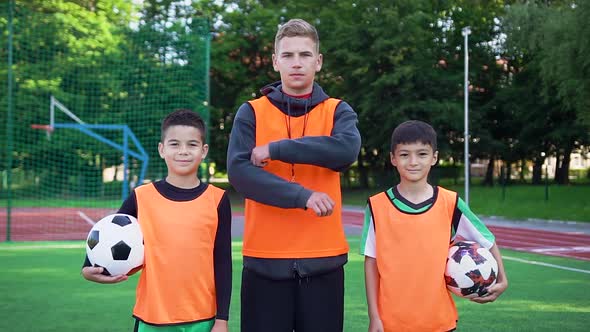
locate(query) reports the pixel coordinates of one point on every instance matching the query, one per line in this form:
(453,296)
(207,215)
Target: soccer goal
(84,108)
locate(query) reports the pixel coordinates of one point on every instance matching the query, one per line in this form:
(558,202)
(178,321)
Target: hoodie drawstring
(288,124)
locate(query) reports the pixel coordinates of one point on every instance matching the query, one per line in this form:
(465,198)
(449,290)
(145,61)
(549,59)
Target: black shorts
(309,304)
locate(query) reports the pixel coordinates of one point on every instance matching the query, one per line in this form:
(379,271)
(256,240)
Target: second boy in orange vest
(406,240)
(285,153)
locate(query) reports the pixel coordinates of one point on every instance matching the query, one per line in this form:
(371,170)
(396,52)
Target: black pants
(309,304)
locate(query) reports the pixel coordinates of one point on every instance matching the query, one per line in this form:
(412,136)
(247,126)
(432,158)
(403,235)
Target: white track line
(86,218)
(44,246)
(545,264)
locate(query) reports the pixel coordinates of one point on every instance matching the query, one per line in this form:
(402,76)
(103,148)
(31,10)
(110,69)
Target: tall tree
(552,37)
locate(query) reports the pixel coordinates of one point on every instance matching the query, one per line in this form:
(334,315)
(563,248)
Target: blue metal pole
(85,129)
(127,134)
(145,159)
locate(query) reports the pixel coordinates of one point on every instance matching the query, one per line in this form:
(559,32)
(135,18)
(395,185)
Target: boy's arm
(254,182)
(471,228)
(371,287)
(222,262)
(91,273)
(368,250)
(367,247)
(337,151)
(501,282)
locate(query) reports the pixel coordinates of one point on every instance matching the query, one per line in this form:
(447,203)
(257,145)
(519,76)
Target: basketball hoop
(48,129)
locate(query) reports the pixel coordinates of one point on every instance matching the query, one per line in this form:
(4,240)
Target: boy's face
(413,161)
(297,61)
(183,150)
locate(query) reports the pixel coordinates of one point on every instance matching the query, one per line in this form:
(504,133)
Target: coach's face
(297,60)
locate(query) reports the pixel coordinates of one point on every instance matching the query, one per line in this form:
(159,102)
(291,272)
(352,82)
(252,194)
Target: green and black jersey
(464,224)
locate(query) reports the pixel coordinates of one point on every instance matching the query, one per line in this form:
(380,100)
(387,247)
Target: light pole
(466,31)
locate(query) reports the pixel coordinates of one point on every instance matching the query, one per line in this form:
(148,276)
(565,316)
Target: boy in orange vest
(406,238)
(185,284)
(285,153)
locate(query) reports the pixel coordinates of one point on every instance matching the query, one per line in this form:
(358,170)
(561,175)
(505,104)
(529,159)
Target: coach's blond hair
(297,28)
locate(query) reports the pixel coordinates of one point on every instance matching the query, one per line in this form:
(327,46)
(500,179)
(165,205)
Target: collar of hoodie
(290,105)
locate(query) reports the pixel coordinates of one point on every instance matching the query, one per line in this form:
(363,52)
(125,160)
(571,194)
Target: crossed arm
(246,161)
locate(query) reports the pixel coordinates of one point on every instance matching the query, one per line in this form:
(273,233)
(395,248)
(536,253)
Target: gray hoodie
(337,152)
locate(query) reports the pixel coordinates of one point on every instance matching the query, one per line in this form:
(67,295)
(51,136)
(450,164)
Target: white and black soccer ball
(116,243)
(470,269)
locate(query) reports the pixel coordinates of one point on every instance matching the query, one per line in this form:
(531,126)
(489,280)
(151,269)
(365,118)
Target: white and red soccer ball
(470,269)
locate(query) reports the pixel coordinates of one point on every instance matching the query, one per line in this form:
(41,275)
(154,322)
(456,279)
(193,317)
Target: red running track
(51,224)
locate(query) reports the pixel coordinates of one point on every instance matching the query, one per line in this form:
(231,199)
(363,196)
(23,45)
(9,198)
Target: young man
(406,240)
(285,153)
(185,284)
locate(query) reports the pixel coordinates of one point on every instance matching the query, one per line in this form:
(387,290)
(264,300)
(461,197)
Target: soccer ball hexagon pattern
(116,243)
(470,269)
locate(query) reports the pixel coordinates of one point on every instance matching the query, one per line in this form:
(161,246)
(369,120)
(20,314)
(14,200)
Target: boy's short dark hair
(297,28)
(413,131)
(183,117)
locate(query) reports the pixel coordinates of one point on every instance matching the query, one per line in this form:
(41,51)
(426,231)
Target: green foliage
(394,61)
(109,62)
(545,41)
(559,41)
(241,62)
(119,61)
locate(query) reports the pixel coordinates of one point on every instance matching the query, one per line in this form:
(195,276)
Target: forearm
(501,278)
(337,151)
(259,185)
(371,286)
(254,182)
(222,259)
(223,290)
